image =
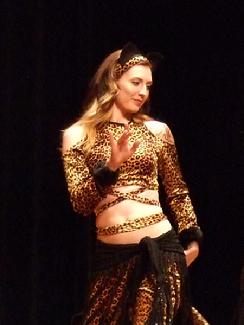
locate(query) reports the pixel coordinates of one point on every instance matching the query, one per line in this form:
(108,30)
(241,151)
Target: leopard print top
(155,156)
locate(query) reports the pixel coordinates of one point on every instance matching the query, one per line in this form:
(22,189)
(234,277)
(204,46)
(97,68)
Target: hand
(191,252)
(120,150)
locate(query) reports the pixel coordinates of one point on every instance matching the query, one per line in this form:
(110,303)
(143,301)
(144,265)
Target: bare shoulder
(72,136)
(160,130)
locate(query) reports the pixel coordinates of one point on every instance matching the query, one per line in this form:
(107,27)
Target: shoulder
(71,136)
(160,130)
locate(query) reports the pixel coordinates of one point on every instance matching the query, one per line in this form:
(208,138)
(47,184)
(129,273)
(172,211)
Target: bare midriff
(127,211)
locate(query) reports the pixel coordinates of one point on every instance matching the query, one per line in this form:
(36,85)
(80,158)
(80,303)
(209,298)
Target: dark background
(50,51)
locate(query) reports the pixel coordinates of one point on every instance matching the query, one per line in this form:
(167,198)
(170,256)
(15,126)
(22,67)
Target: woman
(113,157)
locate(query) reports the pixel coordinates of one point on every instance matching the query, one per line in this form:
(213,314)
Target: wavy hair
(97,106)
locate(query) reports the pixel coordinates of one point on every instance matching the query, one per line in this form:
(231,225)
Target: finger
(126,127)
(112,140)
(124,137)
(126,132)
(134,146)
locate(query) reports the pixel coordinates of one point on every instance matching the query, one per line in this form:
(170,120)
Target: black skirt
(143,283)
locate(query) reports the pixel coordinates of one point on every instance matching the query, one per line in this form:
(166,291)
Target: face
(133,86)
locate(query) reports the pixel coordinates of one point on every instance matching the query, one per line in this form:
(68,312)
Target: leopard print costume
(155,156)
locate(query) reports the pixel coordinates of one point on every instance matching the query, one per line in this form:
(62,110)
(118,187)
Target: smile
(138,102)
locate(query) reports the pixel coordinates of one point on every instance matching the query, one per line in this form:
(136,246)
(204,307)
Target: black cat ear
(155,59)
(129,51)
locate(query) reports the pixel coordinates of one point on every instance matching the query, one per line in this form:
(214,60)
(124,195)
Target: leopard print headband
(137,59)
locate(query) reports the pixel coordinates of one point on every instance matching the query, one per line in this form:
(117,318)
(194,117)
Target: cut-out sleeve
(176,190)
(81,184)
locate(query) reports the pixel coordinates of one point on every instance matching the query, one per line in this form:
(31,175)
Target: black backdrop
(50,50)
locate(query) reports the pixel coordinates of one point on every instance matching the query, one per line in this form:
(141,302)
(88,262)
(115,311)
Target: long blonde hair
(99,101)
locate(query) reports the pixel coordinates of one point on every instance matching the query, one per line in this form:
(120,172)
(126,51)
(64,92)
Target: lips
(138,101)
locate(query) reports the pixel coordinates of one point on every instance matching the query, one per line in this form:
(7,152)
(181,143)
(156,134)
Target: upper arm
(81,185)
(160,130)
(71,136)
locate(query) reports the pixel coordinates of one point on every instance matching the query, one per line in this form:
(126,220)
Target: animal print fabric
(139,284)
(155,156)
(131,225)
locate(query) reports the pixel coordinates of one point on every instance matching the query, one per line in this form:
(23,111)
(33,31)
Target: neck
(124,121)
(119,117)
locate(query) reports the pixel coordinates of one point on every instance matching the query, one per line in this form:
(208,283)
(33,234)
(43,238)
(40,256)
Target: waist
(133,230)
(127,199)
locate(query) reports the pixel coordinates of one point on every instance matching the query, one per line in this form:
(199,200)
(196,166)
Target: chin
(135,109)
(131,110)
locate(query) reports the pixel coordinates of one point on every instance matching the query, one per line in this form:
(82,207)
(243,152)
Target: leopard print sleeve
(176,189)
(81,185)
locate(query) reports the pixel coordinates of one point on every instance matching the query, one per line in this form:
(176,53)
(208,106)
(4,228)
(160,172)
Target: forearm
(178,197)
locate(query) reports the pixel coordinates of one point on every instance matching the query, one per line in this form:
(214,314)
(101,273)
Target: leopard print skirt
(139,284)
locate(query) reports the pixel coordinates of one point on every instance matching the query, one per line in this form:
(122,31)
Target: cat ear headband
(131,55)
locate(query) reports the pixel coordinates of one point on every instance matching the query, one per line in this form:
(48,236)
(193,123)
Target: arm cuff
(104,176)
(189,235)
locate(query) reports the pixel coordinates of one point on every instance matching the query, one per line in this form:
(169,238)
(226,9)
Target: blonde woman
(113,157)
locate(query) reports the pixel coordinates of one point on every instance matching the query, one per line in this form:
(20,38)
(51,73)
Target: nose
(143,91)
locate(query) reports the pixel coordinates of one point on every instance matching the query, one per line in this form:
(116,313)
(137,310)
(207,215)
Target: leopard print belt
(131,225)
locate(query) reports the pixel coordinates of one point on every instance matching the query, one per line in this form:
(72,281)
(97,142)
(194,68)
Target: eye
(136,83)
